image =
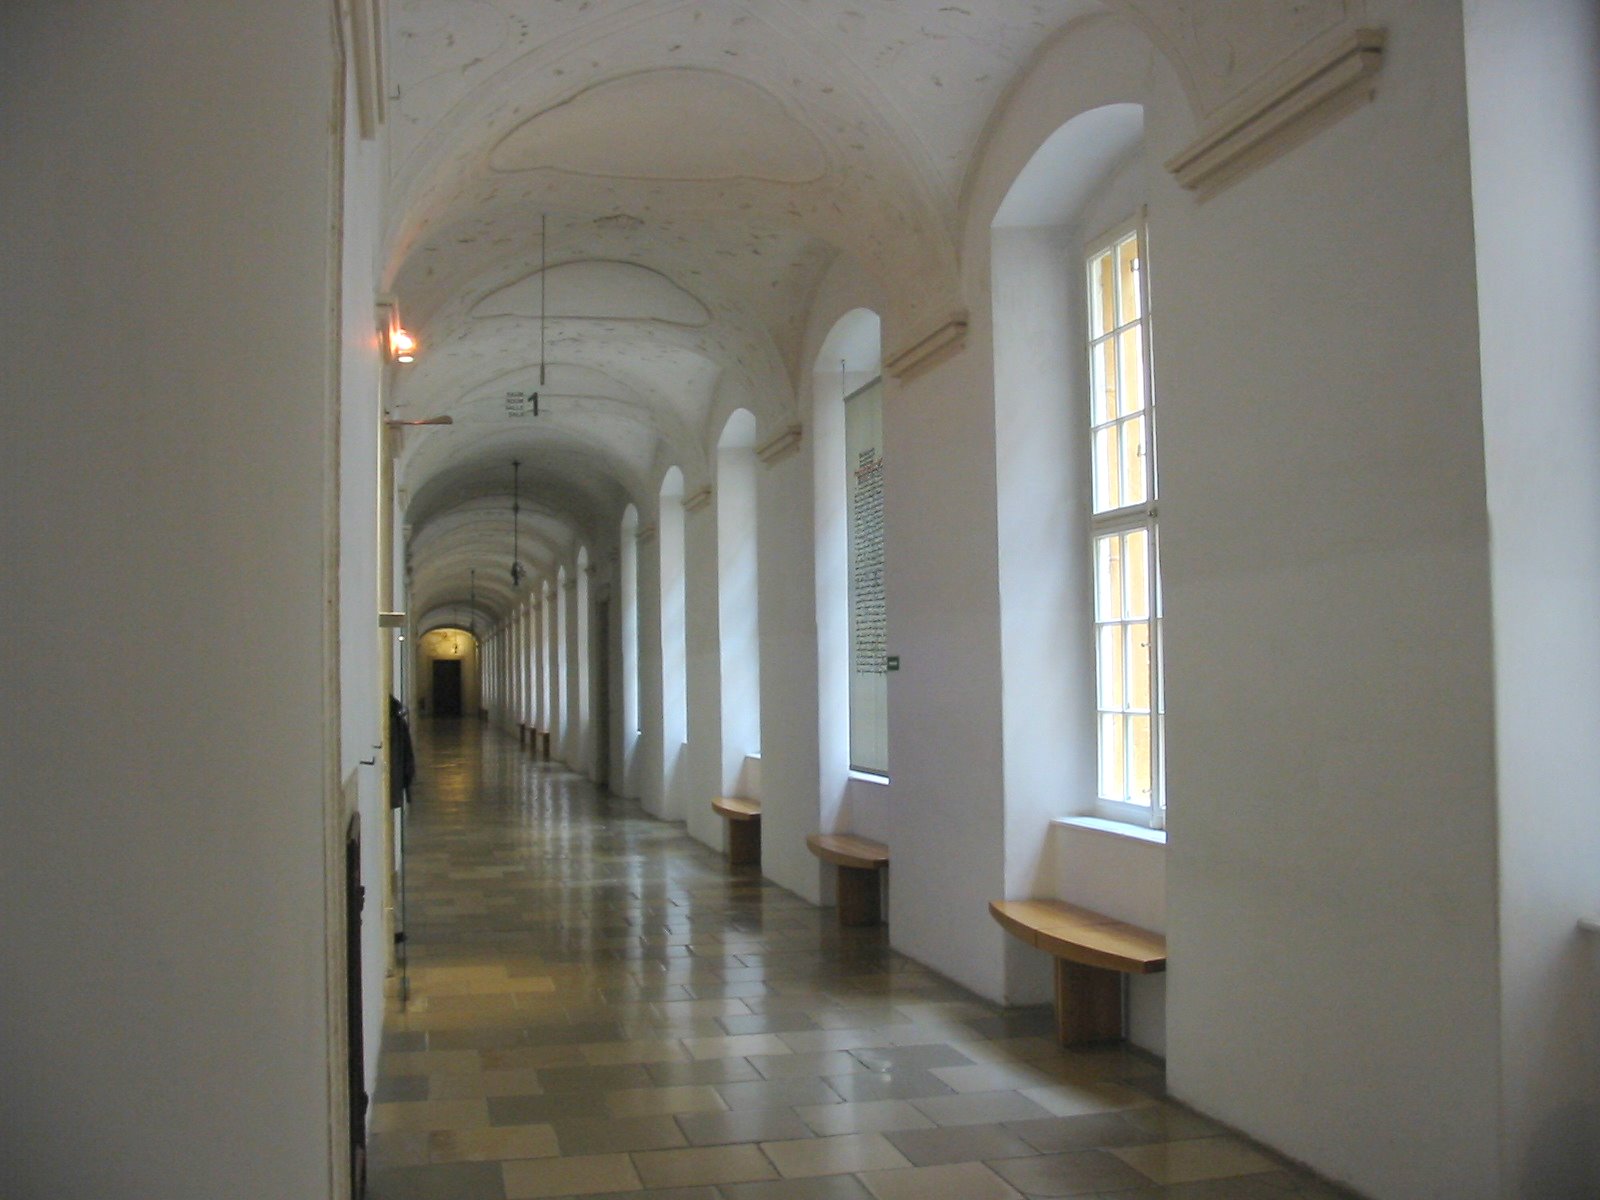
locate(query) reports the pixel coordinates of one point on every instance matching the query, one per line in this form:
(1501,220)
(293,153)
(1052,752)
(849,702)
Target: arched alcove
(1085,180)
(456,684)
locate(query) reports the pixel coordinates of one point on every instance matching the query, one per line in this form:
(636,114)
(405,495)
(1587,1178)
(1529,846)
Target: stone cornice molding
(647,533)
(1309,92)
(948,340)
(779,447)
(698,500)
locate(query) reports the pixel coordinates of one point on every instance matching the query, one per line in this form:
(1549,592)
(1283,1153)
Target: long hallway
(599,1005)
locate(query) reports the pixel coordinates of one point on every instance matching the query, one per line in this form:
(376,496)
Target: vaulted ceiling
(699,166)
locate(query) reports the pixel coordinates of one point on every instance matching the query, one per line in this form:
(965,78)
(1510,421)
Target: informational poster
(869,684)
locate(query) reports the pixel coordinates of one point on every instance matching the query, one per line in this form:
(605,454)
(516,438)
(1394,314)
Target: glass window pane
(1130,353)
(1133,480)
(1138,685)
(1140,765)
(1108,578)
(1135,574)
(1102,294)
(1113,759)
(1107,474)
(1112,667)
(1128,266)
(1103,369)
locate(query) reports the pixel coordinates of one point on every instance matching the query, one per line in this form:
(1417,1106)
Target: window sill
(869,777)
(1116,829)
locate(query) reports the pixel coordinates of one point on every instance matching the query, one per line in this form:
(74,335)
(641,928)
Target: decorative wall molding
(775,449)
(364,19)
(1307,93)
(647,533)
(697,500)
(944,342)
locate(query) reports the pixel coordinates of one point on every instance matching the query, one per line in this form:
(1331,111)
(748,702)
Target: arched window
(1076,485)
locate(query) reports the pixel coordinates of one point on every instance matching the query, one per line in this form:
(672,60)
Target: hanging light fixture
(517,571)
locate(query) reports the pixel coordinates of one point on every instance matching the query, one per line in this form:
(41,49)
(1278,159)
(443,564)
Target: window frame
(1127,518)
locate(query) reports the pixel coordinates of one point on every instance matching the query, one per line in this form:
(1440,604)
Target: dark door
(447,687)
(354,896)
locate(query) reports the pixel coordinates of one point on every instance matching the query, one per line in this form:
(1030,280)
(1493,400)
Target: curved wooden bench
(1092,952)
(744,828)
(859,861)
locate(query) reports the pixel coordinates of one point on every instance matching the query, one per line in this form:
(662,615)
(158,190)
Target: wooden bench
(860,860)
(744,828)
(1092,953)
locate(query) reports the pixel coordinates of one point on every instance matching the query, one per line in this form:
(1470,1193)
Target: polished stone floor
(600,1007)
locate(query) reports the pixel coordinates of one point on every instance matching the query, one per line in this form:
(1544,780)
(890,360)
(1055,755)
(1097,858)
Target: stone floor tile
(403,1087)
(980,1108)
(896,1058)
(573,960)
(871,1116)
(452,1181)
(777,1093)
(413,1116)
(1070,1174)
(959,1143)
(703,1165)
(834,1155)
(1050,1135)
(1197,1158)
(819,1187)
(744,1125)
(493,1144)
(532,1110)
(1075,1100)
(906,1083)
(705,1070)
(587,1175)
(607,1135)
(665,1101)
(956,1181)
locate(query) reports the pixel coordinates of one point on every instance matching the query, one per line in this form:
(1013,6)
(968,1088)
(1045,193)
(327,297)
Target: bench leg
(859,897)
(1088,1004)
(744,843)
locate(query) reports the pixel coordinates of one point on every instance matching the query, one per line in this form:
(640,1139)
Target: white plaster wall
(702,767)
(364,709)
(1533,98)
(572,734)
(167,751)
(945,765)
(648,748)
(1333,966)
(1332,861)
(789,711)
